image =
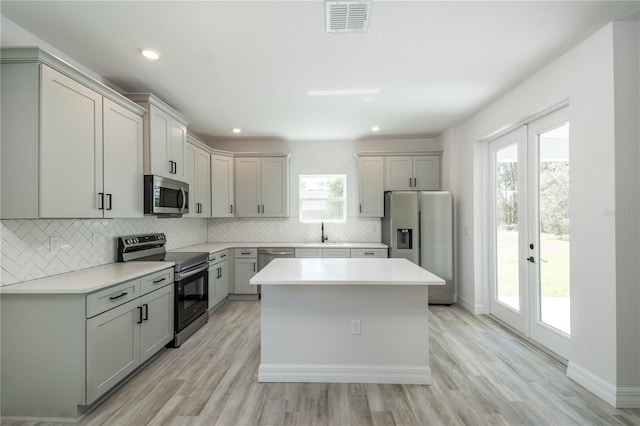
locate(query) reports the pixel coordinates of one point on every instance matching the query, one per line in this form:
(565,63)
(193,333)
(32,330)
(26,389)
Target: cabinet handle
(368,253)
(100,200)
(110,199)
(410,183)
(263,209)
(139,308)
(170,167)
(258,208)
(231,208)
(160,280)
(124,293)
(245,252)
(254,266)
(146,312)
(415,182)
(222,256)
(219,273)
(175,168)
(360,208)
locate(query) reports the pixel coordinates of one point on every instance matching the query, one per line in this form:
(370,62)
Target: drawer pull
(160,280)
(245,252)
(222,256)
(368,253)
(124,293)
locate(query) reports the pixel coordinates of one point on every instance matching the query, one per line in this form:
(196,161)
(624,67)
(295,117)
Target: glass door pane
(506,226)
(553,204)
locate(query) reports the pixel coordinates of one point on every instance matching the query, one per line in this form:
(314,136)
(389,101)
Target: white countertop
(214,247)
(87,280)
(344,271)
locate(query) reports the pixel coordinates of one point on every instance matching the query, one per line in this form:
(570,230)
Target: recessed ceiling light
(343,92)
(375,128)
(236,130)
(150,54)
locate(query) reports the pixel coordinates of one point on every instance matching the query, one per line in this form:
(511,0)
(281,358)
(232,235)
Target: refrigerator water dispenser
(405,237)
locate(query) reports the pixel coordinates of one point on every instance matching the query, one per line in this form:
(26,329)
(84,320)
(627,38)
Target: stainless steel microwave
(165,197)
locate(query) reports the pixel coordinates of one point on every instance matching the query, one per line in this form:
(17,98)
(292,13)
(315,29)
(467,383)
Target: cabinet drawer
(378,252)
(246,253)
(336,252)
(218,256)
(111,297)
(308,252)
(156,280)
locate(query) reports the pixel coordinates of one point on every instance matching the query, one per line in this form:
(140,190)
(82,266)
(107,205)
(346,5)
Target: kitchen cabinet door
(113,348)
(245,269)
(190,171)
(370,187)
(222,180)
(122,161)
(426,171)
(248,189)
(175,150)
(156,329)
(203,183)
(213,274)
(222,281)
(159,126)
(399,173)
(274,186)
(70,148)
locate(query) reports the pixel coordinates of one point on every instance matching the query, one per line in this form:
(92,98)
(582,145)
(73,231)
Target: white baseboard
(619,397)
(344,374)
(475,309)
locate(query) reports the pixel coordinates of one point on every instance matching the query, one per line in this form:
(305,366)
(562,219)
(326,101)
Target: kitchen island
(344,321)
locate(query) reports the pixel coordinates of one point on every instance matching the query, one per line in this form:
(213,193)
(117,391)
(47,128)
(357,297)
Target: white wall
(584,76)
(626,58)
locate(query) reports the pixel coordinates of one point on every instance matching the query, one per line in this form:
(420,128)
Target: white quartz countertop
(344,271)
(87,280)
(214,247)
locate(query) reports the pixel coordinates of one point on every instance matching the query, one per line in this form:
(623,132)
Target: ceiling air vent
(347,16)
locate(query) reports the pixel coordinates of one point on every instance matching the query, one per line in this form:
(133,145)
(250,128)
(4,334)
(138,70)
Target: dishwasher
(266,255)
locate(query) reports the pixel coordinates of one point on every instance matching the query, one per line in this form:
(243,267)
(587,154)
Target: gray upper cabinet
(412,172)
(165,135)
(71,147)
(222,182)
(198,175)
(262,186)
(370,187)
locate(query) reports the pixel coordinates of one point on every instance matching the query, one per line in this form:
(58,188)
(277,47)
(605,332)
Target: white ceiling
(248,64)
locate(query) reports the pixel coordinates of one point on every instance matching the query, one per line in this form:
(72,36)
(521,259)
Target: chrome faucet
(324,237)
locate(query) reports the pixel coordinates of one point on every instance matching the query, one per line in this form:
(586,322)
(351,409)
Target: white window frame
(301,199)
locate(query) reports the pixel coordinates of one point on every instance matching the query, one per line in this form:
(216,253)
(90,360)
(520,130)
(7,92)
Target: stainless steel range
(191,292)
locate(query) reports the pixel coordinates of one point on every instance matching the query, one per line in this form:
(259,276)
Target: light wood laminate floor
(482,375)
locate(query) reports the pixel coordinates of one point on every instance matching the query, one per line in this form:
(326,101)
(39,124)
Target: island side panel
(306,334)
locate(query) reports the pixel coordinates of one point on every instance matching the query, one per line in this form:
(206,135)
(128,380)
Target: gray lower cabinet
(246,266)
(61,352)
(218,277)
(121,339)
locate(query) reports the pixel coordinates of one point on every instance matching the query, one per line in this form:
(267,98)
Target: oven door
(191,295)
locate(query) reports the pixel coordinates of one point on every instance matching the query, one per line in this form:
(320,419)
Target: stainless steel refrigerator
(419,226)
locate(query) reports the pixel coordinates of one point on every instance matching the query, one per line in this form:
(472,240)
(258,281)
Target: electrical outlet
(355,326)
(55,243)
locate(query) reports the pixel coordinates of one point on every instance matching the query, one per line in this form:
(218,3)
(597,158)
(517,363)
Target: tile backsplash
(291,230)
(39,248)
(34,249)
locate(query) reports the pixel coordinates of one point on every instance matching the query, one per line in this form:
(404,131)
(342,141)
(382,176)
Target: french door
(529,226)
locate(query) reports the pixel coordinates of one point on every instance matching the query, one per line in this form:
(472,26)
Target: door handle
(139,308)
(231,208)
(415,182)
(146,312)
(410,183)
(100,200)
(531,259)
(110,199)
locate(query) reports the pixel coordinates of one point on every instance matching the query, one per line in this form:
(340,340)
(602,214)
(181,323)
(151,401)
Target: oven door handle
(182,275)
